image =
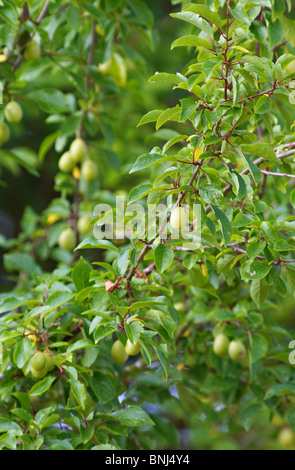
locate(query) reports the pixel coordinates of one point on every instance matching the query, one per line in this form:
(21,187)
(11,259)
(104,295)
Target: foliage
(226,146)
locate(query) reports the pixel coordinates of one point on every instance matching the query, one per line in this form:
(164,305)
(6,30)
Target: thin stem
(43,13)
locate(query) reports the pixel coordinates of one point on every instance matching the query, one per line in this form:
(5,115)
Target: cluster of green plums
(77,154)
(41,364)
(120,353)
(222,347)
(13,112)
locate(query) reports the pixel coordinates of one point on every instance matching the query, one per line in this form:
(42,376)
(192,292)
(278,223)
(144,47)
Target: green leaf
(167,115)
(98,244)
(101,332)
(21,262)
(249,415)
(79,393)
(49,100)
(133,416)
(59,298)
(279,390)
(259,347)
(133,330)
(151,116)
(147,160)
(42,386)
(191,41)
(255,172)
(163,257)
(262,150)
(81,273)
(139,192)
(165,77)
(8,13)
(188,106)
(22,352)
(103,387)
(258,291)
(81,344)
(205,12)
(195,20)
(225,224)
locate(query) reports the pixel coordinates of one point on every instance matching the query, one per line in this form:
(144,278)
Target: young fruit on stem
(67,239)
(78,150)
(118,352)
(49,362)
(179,218)
(131,349)
(236,351)
(38,361)
(89,170)
(66,162)
(286,438)
(32,50)
(220,345)
(83,224)
(13,112)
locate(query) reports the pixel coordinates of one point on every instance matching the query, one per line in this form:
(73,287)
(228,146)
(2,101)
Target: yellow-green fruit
(286,438)
(13,112)
(83,224)
(4,133)
(32,50)
(118,352)
(78,150)
(38,361)
(220,345)
(49,362)
(39,374)
(236,351)
(179,306)
(67,239)
(105,68)
(290,68)
(66,162)
(118,70)
(131,349)
(89,170)
(179,218)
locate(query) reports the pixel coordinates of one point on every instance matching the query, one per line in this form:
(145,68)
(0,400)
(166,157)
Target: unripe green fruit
(4,133)
(13,112)
(179,306)
(78,150)
(32,50)
(89,170)
(290,68)
(118,70)
(286,438)
(38,361)
(105,68)
(236,351)
(118,352)
(83,224)
(49,362)
(67,239)
(179,218)
(220,346)
(131,349)
(39,374)
(66,162)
